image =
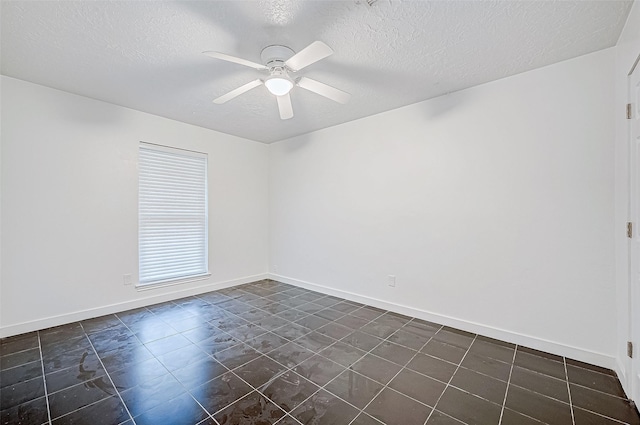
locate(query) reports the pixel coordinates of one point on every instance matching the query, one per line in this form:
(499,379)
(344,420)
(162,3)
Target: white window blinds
(172,214)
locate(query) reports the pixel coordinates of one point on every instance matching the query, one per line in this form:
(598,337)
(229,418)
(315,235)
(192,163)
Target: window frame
(176,280)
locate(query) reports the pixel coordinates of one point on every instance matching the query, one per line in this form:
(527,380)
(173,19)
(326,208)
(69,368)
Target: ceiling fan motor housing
(275,56)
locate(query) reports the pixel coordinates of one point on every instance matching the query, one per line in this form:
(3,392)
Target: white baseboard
(76,316)
(553,347)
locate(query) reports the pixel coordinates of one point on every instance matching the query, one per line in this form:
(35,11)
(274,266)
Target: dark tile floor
(271,353)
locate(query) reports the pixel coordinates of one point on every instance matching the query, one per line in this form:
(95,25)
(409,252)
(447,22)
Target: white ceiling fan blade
(228,58)
(324,90)
(284,106)
(237,92)
(310,54)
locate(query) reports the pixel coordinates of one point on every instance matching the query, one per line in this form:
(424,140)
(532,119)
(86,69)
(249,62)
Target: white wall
(493,206)
(627,51)
(69,206)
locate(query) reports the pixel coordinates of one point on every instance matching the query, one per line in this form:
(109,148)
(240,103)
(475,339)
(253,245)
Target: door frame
(633,374)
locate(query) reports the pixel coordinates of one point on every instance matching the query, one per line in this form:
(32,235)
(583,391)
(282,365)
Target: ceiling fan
(280,62)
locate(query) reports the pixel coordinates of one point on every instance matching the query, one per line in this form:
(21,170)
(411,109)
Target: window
(172,214)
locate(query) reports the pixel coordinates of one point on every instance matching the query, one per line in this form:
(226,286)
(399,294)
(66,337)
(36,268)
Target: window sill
(171,282)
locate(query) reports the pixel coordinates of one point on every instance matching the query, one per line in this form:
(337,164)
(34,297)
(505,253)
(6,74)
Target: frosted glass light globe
(278,86)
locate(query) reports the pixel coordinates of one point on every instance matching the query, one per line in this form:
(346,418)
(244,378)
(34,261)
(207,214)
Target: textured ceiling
(147,55)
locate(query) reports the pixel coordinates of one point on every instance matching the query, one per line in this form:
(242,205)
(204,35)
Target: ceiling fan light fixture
(278,86)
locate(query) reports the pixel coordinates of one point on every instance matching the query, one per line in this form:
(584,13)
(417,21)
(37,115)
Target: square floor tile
(455,337)
(541,384)
(365,419)
(198,373)
(168,344)
(493,348)
(334,330)
(408,339)
(121,359)
(21,392)
(252,409)
(422,328)
(540,364)
(290,354)
(32,412)
(246,332)
(378,329)
(151,393)
(218,393)
(595,380)
(439,418)
(267,342)
(368,313)
(362,340)
(319,369)
(19,358)
(323,408)
(481,385)
(291,331)
(444,351)
(78,396)
(312,322)
(20,373)
(17,343)
(182,410)
(376,368)
(394,353)
(468,408)
(487,366)
(106,412)
(137,374)
(393,408)
(584,417)
(289,390)
(417,386)
(260,371)
(236,356)
(343,354)
(537,406)
(86,371)
(510,417)
(355,388)
(314,341)
(182,357)
(352,322)
(433,367)
(329,314)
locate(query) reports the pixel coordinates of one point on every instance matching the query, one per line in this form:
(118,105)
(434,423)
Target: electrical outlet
(275,268)
(391,280)
(127,279)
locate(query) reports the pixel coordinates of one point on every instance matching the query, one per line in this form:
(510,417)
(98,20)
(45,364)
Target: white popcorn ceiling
(147,55)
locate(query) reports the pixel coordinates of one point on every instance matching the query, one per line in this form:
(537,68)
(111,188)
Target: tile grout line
(106,372)
(451,379)
(566,376)
(168,371)
(401,369)
(44,379)
(506,391)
